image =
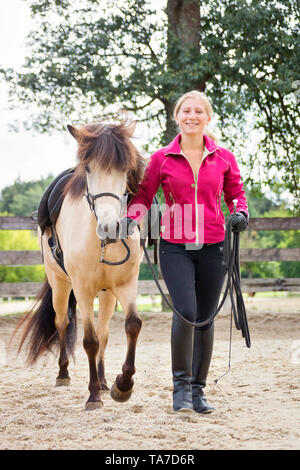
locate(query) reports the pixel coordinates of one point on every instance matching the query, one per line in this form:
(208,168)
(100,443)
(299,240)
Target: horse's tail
(40,326)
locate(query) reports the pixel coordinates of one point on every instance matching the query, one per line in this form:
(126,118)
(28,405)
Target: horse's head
(111,167)
(106,194)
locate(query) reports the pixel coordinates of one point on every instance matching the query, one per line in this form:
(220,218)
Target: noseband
(91,202)
(92,198)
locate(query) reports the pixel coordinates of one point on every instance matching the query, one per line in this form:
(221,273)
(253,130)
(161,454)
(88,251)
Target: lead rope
(231,264)
(114,263)
(195,324)
(230,260)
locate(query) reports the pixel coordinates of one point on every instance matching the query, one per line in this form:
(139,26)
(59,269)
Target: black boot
(203,347)
(182,354)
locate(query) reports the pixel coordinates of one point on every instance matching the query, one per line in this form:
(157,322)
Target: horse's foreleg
(60,298)
(122,387)
(90,344)
(107,303)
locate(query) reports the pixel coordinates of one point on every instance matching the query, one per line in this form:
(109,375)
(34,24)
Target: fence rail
(260,223)
(26,257)
(21,258)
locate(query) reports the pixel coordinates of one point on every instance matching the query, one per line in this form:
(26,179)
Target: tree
(112,54)
(23,198)
(263,207)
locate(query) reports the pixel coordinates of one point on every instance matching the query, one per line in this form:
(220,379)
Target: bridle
(91,198)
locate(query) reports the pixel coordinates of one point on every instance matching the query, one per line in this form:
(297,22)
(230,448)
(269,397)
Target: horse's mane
(110,146)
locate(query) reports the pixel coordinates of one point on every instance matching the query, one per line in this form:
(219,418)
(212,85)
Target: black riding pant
(194,278)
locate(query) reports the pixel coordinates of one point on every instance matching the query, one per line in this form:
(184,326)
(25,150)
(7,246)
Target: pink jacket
(192,213)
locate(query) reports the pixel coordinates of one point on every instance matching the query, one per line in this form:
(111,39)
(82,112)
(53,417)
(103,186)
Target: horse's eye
(87,169)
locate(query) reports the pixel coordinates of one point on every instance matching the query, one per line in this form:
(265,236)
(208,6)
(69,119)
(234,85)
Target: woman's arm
(233,188)
(148,187)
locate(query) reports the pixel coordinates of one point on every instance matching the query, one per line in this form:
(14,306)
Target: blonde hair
(207,105)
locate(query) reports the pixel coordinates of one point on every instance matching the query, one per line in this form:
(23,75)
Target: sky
(28,155)
(25,154)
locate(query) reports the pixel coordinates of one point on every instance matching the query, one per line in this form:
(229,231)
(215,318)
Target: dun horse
(108,167)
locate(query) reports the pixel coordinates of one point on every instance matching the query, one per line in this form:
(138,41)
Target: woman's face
(192,116)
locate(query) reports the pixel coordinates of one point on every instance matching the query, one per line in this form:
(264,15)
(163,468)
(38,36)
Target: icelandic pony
(108,162)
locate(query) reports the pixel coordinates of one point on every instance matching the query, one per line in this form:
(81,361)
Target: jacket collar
(174,146)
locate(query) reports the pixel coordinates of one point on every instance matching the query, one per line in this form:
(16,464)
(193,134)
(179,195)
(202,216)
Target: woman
(193,172)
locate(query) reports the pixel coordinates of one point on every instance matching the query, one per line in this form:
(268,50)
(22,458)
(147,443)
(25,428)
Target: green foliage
(96,54)
(145,272)
(258,207)
(263,38)
(22,198)
(269,239)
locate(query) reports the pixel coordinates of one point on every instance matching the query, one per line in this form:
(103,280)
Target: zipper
(196,204)
(196,191)
(196,186)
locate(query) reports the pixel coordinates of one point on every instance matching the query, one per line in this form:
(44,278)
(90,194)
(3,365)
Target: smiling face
(192,116)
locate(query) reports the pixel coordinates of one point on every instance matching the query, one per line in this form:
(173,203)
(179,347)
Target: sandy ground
(257,403)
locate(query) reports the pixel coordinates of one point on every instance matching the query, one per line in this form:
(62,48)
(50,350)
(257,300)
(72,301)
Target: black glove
(126,227)
(239,222)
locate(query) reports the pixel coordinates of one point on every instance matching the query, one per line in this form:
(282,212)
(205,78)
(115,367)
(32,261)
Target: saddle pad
(52,200)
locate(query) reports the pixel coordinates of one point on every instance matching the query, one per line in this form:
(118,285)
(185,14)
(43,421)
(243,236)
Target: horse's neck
(76,222)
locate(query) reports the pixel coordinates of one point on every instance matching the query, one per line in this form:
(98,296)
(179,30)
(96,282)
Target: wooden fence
(30,289)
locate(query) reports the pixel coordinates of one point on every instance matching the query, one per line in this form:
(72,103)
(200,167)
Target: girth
(56,250)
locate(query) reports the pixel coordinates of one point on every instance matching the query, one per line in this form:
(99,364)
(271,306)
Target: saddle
(52,200)
(49,209)
(48,212)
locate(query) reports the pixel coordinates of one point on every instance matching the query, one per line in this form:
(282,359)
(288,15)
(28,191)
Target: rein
(231,265)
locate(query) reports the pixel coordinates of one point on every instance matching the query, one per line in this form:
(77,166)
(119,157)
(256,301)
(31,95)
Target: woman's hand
(239,222)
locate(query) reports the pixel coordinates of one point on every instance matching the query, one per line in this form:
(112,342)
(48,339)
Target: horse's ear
(73,131)
(131,128)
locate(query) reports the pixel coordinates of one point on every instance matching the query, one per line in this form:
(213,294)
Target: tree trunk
(183,41)
(184,22)
(171,129)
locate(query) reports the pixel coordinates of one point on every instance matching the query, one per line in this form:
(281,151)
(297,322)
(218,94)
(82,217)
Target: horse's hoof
(63,382)
(104,389)
(93,405)
(118,395)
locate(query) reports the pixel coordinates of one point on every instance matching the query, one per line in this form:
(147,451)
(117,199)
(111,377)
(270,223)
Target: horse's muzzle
(109,234)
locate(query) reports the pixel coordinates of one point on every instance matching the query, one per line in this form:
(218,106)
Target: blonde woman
(193,172)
